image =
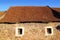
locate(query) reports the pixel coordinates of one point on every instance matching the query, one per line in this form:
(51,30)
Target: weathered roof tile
(29,13)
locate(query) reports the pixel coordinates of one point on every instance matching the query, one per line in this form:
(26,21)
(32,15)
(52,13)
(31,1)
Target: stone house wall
(32,31)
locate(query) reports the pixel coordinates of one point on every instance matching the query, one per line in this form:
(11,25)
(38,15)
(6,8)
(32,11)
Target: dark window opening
(58,27)
(19,31)
(49,30)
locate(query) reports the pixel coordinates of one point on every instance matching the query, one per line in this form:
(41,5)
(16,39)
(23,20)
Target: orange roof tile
(29,13)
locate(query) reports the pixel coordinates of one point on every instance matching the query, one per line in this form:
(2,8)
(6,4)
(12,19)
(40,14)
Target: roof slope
(56,9)
(29,13)
(1,13)
(56,12)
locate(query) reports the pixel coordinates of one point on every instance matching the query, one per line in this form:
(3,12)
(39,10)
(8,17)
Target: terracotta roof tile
(1,13)
(57,9)
(29,13)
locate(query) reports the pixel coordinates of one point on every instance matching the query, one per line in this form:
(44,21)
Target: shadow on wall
(58,27)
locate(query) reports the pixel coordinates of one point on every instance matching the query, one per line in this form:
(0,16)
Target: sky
(5,4)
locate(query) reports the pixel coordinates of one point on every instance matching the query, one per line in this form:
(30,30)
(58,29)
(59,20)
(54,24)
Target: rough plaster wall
(33,31)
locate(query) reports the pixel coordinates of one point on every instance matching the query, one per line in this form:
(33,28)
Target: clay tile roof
(57,9)
(29,13)
(1,13)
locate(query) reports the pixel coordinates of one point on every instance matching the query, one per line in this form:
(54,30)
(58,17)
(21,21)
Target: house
(30,23)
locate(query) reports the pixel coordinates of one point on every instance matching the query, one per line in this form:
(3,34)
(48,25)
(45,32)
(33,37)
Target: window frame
(17,33)
(46,33)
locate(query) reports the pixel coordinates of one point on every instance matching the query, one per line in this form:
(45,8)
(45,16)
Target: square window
(48,30)
(19,31)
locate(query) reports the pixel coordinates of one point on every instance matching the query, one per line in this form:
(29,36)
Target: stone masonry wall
(32,31)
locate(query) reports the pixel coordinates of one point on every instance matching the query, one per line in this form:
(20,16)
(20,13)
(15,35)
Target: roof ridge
(29,6)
